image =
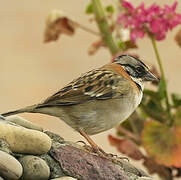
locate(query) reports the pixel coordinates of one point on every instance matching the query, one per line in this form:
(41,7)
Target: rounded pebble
(23,122)
(10,168)
(22,140)
(145,178)
(64,178)
(34,168)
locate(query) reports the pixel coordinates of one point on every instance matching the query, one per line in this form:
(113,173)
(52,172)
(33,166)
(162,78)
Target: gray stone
(34,168)
(64,178)
(10,168)
(23,122)
(145,178)
(25,141)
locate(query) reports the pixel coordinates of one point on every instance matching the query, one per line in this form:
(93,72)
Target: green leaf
(176,98)
(161,89)
(89,9)
(126,125)
(121,45)
(177,117)
(162,143)
(110,9)
(152,105)
(153,112)
(150,93)
(133,124)
(126,45)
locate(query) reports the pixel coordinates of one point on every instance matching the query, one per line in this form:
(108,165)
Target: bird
(99,99)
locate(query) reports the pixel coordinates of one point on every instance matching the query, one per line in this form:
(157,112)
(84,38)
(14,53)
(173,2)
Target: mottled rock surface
(34,168)
(28,154)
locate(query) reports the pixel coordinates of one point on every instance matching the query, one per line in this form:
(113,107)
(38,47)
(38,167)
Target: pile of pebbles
(24,151)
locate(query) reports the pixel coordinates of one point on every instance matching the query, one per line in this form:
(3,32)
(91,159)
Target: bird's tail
(30,109)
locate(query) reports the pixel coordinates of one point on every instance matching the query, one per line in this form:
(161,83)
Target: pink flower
(154,20)
(137,33)
(127,5)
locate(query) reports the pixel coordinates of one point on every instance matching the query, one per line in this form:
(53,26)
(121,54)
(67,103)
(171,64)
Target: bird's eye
(139,69)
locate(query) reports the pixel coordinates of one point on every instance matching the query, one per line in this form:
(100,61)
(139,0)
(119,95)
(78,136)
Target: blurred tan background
(30,70)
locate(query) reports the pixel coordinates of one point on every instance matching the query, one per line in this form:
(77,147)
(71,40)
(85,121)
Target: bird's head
(137,70)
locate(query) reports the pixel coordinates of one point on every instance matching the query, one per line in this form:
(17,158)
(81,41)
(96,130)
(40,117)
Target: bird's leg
(99,151)
(94,146)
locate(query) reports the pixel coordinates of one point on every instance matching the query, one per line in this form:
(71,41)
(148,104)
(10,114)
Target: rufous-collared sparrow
(99,99)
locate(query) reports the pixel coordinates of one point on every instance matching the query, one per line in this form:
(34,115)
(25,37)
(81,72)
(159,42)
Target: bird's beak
(150,77)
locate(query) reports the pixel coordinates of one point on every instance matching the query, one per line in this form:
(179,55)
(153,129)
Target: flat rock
(34,168)
(83,165)
(25,141)
(23,122)
(10,168)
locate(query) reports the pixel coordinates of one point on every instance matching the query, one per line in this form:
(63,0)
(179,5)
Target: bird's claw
(97,150)
(82,142)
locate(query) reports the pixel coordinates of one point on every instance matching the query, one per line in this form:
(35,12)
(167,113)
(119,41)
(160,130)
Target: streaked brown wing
(97,84)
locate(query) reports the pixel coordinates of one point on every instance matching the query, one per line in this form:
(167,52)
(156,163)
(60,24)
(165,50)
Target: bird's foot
(101,153)
(94,148)
(113,157)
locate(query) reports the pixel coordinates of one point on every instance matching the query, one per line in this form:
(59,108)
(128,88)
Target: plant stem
(104,27)
(81,26)
(163,77)
(158,57)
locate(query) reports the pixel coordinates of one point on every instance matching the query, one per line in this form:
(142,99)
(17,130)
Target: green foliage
(158,122)
(89,9)
(177,117)
(163,143)
(161,89)
(176,98)
(126,45)
(110,9)
(121,45)
(152,106)
(156,125)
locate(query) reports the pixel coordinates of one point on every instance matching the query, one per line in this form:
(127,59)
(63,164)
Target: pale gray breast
(97,117)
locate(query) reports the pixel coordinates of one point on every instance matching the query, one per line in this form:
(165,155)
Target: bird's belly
(94,118)
(108,117)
